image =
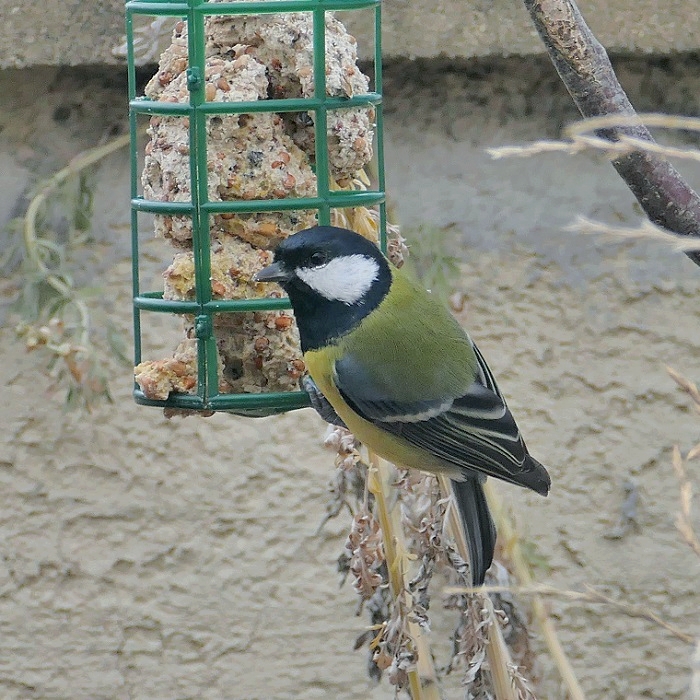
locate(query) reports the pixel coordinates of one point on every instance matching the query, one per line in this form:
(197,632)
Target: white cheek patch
(346,278)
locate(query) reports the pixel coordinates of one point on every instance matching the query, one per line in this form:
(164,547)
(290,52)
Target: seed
(188,383)
(283,322)
(298,365)
(241,62)
(359,144)
(289,181)
(261,344)
(267,228)
(258,362)
(222,84)
(178,368)
(284,157)
(183,149)
(277,164)
(217,288)
(209,92)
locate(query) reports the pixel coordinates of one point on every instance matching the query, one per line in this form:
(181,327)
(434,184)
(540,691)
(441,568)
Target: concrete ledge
(76,32)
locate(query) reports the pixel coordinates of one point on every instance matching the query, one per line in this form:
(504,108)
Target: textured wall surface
(75,32)
(147,559)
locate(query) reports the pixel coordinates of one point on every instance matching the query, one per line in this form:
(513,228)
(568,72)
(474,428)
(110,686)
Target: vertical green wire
(134,180)
(379,130)
(207,356)
(321,116)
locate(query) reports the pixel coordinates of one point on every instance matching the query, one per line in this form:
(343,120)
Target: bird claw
(320,403)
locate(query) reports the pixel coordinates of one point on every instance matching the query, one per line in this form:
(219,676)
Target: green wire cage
(202,306)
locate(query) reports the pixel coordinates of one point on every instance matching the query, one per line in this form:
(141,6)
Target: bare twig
(584,67)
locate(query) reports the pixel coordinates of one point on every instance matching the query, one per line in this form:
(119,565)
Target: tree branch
(586,71)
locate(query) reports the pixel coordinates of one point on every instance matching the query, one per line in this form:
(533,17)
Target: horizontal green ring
(179,9)
(299,104)
(153,301)
(280,401)
(337,200)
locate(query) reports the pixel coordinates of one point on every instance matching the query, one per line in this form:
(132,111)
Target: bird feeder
(260,124)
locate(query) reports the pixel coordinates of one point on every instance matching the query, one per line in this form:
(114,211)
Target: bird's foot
(320,403)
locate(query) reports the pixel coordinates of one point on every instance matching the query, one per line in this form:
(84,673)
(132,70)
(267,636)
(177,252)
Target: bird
(388,360)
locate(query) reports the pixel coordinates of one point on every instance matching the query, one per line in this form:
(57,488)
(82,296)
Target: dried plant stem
(582,138)
(523,573)
(500,661)
(684,521)
(31,244)
(590,595)
(423,681)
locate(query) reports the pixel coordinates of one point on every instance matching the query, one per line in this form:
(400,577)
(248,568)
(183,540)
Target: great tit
(401,373)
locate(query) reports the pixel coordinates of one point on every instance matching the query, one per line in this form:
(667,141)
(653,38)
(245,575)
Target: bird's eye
(318,259)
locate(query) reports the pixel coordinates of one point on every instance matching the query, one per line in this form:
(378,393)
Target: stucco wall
(76,32)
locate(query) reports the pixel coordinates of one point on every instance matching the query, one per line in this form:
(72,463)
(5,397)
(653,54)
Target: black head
(334,278)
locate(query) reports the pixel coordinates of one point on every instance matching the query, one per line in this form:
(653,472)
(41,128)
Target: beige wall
(77,32)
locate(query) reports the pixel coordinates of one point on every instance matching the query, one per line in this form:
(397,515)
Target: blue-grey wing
(473,431)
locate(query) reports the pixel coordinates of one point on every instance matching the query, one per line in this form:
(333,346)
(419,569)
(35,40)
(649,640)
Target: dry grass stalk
(500,662)
(646,230)
(579,138)
(523,573)
(590,595)
(684,521)
(695,678)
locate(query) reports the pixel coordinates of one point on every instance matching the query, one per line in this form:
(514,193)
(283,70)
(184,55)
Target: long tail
(479,529)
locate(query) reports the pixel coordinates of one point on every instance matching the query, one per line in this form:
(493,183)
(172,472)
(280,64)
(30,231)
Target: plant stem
(500,661)
(423,681)
(31,245)
(524,575)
